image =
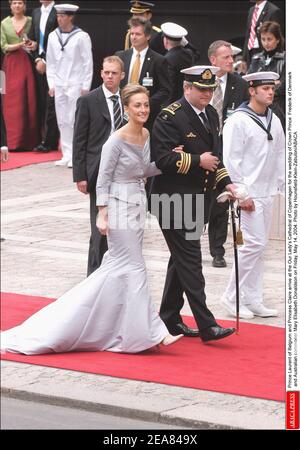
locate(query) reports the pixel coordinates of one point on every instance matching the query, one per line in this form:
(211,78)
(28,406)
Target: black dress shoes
(219,261)
(42,148)
(215,333)
(182,328)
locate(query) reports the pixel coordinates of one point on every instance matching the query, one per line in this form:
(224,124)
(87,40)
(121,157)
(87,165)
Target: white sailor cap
(173,31)
(66,9)
(260,78)
(201,76)
(235,50)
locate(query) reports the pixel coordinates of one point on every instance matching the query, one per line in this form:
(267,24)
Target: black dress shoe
(42,148)
(219,261)
(215,333)
(182,328)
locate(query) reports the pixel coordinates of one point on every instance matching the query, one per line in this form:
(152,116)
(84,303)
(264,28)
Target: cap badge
(207,75)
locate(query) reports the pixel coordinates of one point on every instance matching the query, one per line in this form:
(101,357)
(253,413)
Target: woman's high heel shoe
(169,339)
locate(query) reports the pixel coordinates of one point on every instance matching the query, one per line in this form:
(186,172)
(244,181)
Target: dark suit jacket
(156,42)
(155,65)
(269,12)
(178,58)
(236,92)
(35,29)
(91,131)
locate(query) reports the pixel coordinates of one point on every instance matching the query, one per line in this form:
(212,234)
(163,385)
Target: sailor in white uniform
(254,155)
(69,73)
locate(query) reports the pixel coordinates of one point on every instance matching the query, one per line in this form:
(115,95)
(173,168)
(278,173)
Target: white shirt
(45,12)
(133,58)
(260,8)
(110,105)
(199,111)
(74,65)
(251,159)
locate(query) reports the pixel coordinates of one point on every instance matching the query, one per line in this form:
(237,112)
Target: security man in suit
(177,198)
(144,66)
(94,122)
(43,23)
(231,91)
(143,10)
(177,56)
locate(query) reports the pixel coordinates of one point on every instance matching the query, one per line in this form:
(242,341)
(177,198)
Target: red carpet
(250,364)
(21,159)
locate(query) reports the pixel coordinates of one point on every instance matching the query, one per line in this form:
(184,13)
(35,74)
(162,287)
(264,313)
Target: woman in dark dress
(272,59)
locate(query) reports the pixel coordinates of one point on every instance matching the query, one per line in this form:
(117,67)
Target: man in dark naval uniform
(178,195)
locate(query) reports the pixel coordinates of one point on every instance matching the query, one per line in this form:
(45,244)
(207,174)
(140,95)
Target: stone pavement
(45,223)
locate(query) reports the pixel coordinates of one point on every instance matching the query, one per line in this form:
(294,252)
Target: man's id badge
(147,81)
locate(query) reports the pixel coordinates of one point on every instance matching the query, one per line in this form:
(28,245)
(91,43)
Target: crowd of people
(162,127)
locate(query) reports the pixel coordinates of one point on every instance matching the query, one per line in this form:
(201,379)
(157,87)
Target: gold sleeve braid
(184,164)
(221,173)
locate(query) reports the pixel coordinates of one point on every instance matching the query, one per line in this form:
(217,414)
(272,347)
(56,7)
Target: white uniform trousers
(256,228)
(65,107)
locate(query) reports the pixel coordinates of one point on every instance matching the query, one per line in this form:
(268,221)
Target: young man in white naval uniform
(69,73)
(254,154)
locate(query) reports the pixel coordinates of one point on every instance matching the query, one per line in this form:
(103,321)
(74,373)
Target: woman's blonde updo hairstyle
(131,89)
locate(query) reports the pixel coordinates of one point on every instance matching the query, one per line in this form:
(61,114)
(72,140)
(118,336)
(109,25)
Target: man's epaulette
(156,29)
(172,108)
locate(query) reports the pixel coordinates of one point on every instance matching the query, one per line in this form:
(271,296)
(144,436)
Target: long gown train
(111,309)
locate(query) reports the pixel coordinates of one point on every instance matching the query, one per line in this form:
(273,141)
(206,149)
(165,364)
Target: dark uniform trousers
(46,106)
(98,242)
(178,124)
(184,275)
(217,225)
(217,218)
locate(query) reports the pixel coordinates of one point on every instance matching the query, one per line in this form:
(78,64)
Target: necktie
(205,122)
(217,103)
(135,73)
(117,112)
(252,29)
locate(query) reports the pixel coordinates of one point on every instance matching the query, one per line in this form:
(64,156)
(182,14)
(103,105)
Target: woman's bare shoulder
(146,133)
